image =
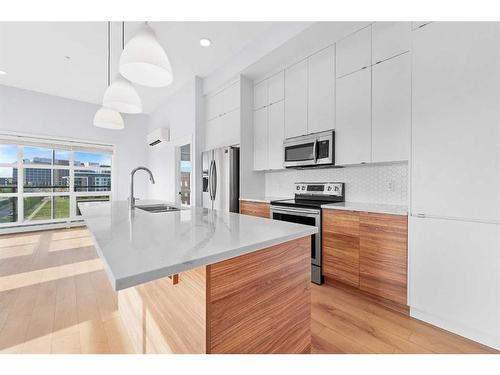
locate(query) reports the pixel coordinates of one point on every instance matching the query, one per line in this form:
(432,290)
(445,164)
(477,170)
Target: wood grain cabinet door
(260,209)
(383,255)
(341,246)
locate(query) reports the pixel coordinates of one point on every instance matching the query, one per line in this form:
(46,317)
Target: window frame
(69,145)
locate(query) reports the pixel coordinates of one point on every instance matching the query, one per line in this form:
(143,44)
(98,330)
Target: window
(54,178)
(184,174)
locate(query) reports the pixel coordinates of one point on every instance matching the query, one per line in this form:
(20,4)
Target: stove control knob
(303,188)
(329,188)
(298,187)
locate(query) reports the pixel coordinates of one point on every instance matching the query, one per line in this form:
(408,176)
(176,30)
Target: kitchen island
(206,281)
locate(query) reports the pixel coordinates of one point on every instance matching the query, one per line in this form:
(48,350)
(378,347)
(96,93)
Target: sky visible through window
(8,154)
(87,157)
(185,166)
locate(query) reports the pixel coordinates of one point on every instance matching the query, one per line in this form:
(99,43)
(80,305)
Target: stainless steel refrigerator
(221,179)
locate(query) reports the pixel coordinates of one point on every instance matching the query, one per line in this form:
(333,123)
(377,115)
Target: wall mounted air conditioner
(158,136)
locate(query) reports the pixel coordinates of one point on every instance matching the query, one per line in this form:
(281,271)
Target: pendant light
(144,60)
(108,119)
(105,117)
(121,95)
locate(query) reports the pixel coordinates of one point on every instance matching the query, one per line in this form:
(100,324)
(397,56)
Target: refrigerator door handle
(210,180)
(214,182)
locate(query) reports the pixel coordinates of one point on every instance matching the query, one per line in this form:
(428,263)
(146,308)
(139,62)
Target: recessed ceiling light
(3,72)
(204,42)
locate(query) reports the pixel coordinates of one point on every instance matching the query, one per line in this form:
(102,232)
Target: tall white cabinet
(391,104)
(321,91)
(373,95)
(269,123)
(454,257)
(353,131)
(222,112)
(296,99)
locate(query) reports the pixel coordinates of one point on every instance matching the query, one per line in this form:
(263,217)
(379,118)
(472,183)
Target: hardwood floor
(55,298)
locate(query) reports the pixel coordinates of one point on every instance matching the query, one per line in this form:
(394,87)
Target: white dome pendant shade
(108,119)
(144,61)
(122,97)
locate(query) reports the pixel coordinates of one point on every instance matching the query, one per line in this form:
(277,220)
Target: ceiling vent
(158,136)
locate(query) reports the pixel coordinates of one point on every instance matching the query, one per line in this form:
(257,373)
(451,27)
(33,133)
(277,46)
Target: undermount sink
(155,208)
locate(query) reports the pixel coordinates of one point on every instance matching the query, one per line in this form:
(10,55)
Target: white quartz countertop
(368,207)
(138,246)
(264,199)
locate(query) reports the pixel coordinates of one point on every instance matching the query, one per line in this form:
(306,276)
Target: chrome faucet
(151,178)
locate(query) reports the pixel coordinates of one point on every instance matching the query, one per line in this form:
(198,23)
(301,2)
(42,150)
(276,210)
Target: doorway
(184,175)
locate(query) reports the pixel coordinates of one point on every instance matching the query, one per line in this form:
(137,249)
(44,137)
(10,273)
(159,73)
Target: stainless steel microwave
(310,150)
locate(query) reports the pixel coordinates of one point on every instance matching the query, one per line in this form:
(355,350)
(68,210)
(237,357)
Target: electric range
(305,209)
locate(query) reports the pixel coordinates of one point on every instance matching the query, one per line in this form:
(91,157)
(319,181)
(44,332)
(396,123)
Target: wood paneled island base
(255,303)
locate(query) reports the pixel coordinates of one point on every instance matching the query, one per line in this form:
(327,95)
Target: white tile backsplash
(370,183)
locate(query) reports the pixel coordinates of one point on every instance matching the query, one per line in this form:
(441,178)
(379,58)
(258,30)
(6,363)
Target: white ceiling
(68,59)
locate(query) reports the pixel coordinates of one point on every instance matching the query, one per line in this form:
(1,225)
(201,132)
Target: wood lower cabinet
(368,251)
(341,246)
(259,209)
(383,255)
(254,303)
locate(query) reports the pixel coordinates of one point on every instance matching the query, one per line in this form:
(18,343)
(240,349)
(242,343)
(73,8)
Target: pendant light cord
(109,51)
(123,35)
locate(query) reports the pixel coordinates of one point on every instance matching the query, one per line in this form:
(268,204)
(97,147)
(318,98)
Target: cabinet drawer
(383,255)
(254,208)
(341,246)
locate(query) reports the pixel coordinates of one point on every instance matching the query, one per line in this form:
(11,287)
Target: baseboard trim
(40,227)
(457,328)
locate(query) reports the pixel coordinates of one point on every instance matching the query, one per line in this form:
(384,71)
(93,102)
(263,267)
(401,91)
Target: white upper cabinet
(214,105)
(230,128)
(212,127)
(269,123)
(260,139)
(222,102)
(321,91)
(276,87)
(419,24)
(353,131)
(276,134)
(260,95)
(296,100)
(269,91)
(456,120)
(222,126)
(231,98)
(390,39)
(391,101)
(354,52)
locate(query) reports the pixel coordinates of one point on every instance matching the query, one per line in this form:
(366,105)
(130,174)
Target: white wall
(35,113)
(178,114)
(375,183)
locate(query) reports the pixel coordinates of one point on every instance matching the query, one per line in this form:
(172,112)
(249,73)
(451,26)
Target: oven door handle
(315,151)
(304,212)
